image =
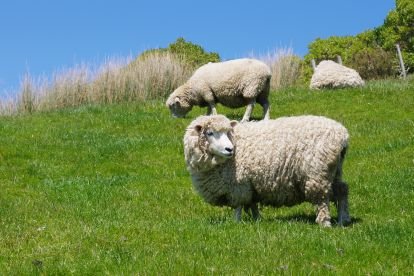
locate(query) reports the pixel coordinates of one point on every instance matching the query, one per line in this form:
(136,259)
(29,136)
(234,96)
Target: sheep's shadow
(237,117)
(295,218)
(307,219)
(219,220)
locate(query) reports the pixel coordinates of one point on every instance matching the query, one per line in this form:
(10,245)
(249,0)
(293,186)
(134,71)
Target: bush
(398,28)
(191,54)
(373,63)
(358,52)
(330,48)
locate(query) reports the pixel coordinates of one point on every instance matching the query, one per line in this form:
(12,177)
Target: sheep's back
(278,156)
(228,79)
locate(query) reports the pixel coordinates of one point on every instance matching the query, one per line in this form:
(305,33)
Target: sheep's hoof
(323,222)
(326,224)
(255,212)
(238,214)
(345,222)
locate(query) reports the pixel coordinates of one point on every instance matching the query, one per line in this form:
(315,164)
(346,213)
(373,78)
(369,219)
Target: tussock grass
(117,80)
(285,66)
(103,189)
(151,76)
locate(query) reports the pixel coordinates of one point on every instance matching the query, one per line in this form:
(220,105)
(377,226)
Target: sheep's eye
(209,133)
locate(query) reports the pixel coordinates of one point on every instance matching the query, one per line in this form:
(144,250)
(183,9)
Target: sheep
(280,162)
(233,83)
(329,74)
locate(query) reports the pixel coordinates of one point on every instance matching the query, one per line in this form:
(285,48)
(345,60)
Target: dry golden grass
(148,77)
(117,80)
(154,76)
(285,66)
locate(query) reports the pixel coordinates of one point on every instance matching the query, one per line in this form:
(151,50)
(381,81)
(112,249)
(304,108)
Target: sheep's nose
(229,150)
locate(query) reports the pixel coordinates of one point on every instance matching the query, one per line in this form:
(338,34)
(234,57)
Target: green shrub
(398,28)
(362,51)
(330,48)
(373,63)
(191,54)
(358,52)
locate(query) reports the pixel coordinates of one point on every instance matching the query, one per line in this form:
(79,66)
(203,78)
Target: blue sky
(41,37)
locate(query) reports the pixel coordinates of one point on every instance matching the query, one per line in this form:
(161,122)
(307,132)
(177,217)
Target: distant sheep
(233,83)
(280,162)
(329,74)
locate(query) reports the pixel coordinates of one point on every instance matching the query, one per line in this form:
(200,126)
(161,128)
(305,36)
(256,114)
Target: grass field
(104,190)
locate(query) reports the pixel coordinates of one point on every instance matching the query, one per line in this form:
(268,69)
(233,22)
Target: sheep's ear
(233,123)
(198,128)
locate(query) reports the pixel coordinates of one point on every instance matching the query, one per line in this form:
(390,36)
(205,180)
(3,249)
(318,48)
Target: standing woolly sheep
(280,162)
(233,83)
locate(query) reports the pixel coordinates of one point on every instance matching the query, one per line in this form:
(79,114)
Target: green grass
(104,189)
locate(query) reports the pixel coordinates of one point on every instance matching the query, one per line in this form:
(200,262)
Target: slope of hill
(104,189)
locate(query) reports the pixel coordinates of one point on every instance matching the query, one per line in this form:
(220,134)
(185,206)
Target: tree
(399,28)
(368,49)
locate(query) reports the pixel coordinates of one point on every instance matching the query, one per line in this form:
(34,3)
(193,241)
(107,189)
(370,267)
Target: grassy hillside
(104,189)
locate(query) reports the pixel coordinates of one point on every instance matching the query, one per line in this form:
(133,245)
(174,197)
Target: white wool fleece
(276,162)
(234,83)
(329,74)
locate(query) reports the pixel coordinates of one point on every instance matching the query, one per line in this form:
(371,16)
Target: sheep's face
(179,107)
(208,142)
(218,140)
(178,102)
(219,143)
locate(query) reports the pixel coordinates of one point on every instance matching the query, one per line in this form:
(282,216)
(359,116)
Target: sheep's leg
(211,110)
(248,112)
(253,207)
(323,217)
(266,109)
(316,191)
(255,214)
(238,213)
(340,192)
(343,212)
(255,211)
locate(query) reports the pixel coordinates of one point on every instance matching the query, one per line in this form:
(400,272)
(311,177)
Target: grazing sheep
(273,162)
(233,83)
(329,74)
